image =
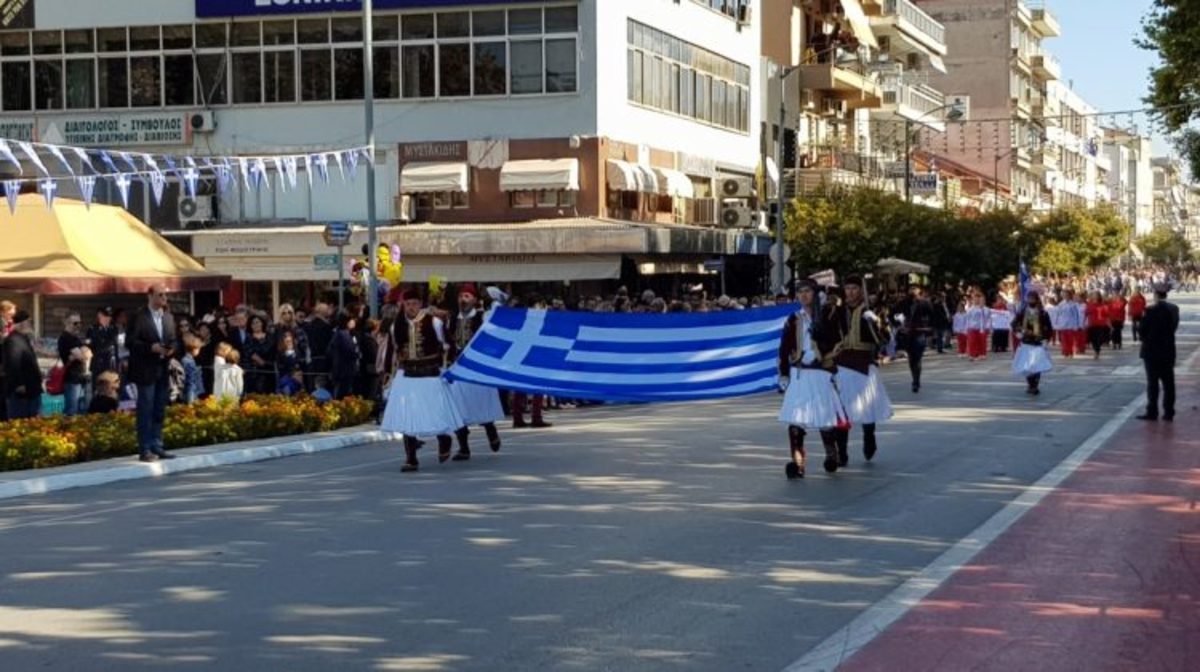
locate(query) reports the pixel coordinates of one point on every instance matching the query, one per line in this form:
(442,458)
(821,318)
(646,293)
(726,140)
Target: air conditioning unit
(834,107)
(737,217)
(202,122)
(737,187)
(406,208)
(196,211)
(744,14)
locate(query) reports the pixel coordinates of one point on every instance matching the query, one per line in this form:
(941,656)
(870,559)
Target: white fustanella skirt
(1031,360)
(811,400)
(421,407)
(864,396)
(477,405)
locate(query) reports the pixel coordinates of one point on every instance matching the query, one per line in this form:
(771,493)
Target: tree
(1075,239)
(1165,245)
(1172,28)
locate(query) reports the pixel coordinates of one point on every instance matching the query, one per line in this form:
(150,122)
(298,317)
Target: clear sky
(1098,54)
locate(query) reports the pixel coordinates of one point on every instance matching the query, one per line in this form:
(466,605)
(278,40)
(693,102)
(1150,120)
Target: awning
(662,265)
(626,176)
(937,63)
(891,266)
(540,175)
(418,178)
(859,23)
(674,183)
(71,249)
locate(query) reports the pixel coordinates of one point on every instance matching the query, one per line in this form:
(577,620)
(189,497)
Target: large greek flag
(626,357)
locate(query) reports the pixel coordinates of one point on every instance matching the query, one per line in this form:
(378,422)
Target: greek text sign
(223,8)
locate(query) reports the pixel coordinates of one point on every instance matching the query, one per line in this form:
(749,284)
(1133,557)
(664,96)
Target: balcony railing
(921,99)
(1046,65)
(923,22)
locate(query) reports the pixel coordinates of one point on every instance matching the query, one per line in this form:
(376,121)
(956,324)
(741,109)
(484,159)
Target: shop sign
(503,258)
(325,262)
(433,151)
(226,8)
(115,130)
(923,183)
(16,14)
(17,129)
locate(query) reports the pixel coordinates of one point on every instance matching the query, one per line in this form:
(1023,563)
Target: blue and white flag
(1024,281)
(626,357)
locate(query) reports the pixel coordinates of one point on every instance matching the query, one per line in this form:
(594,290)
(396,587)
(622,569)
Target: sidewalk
(40,481)
(1103,574)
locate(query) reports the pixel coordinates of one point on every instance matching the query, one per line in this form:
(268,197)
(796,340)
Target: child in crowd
(107,386)
(193,380)
(227,375)
(960,329)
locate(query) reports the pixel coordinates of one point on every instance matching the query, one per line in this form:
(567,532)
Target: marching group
(832,346)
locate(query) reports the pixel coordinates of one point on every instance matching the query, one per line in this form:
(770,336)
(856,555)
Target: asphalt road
(631,538)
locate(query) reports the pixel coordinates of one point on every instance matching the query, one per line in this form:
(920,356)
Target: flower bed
(50,442)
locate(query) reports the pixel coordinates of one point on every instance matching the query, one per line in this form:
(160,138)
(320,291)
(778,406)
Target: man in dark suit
(1158,328)
(151,343)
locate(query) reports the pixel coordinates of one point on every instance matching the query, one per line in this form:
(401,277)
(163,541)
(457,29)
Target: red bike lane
(1103,574)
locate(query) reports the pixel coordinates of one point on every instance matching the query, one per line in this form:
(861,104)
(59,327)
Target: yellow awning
(859,23)
(105,250)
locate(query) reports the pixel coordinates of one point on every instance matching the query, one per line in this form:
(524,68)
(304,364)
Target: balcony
(912,102)
(1044,160)
(1022,61)
(903,19)
(1046,67)
(1043,20)
(1022,107)
(846,79)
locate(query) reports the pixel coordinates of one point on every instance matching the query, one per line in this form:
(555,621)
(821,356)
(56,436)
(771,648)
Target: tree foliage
(1165,245)
(851,230)
(1172,29)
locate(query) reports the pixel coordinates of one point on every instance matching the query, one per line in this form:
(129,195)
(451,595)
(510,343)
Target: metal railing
(920,98)
(925,23)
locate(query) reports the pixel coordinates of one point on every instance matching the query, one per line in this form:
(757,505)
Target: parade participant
(960,329)
(979,326)
(1031,361)
(1081,323)
(419,399)
(917,328)
(1137,310)
(1116,319)
(1000,325)
(478,405)
(1097,322)
(806,376)
(862,392)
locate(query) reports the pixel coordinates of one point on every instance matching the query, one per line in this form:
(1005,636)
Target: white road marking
(844,643)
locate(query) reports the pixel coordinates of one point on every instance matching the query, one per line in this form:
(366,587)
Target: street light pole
(778,270)
(369,113)
(908,161)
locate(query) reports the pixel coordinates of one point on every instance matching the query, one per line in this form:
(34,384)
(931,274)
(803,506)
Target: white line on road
(844,643)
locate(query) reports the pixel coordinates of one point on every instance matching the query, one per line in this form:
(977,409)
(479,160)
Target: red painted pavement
(1104,574)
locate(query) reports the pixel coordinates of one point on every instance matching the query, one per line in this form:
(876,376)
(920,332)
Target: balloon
(395,252)
(436,284)
(394,273)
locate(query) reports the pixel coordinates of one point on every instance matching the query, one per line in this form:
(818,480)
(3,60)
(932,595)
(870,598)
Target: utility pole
(369,104)
(778,270)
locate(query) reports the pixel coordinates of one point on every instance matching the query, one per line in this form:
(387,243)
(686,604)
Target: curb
(126,471)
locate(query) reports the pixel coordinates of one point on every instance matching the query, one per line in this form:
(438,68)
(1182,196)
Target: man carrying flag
(478,405)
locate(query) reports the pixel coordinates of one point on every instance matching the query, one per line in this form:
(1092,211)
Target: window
(316,75)
(673,76)
(48,85)
(17,81)
(213,89)
(453,24)
(47,42)
(522,199)
(561,66)
(145,81)
(279,77)
(113,39)
(561,198)
(211,36)
(81,84)
(487,24)
(348,30)
(526,67)
(419,79)
(144,38)
(179,79)
(386,28)
(245,34)
(441,200)
(14,44)
(348,74)
(173,37)
(562,19)
(454,70)
(278,33)
(416,27)
(387,72)
(490,77)
(247,77)
(80,41)
(524,21)
(113,82)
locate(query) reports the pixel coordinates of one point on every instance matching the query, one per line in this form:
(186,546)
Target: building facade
(1131,177)
(998,57)
(1073,157)
(559,140)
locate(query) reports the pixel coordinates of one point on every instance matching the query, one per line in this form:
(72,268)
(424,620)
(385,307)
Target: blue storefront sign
(211,9)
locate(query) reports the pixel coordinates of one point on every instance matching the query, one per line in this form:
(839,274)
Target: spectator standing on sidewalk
(150,340)
(344,356)
(1158,355)
(76,360)
(320,335)
(23,375)
(102,339)
(7,310)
